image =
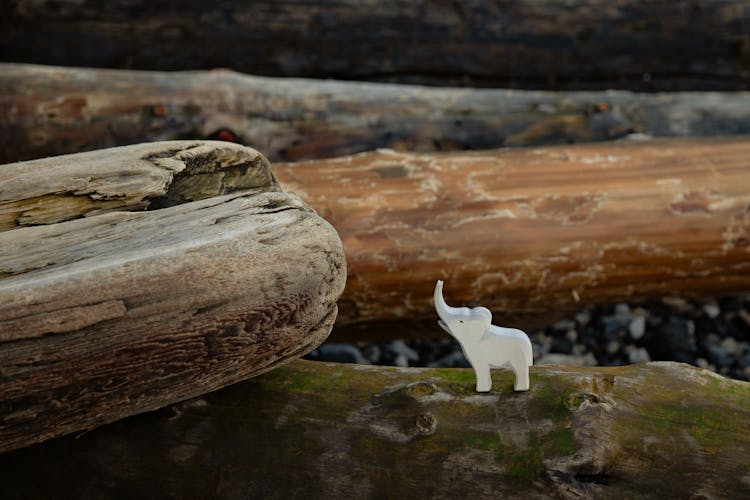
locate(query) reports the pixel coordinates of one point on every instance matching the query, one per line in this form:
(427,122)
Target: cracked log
(682,44)
(52,111)
(531,232)
(118,312)
(319,430)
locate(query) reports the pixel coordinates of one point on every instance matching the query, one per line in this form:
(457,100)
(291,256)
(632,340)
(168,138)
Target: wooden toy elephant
(485,345)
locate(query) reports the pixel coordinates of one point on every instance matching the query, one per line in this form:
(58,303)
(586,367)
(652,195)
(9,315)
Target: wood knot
(421,389)
(426,424)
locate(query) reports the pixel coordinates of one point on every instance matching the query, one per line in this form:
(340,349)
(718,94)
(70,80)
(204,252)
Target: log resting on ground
(52,111)
(317,430)
(121,312)
(682,44)
(532,231)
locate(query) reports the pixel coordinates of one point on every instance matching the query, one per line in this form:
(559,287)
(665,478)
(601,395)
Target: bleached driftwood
(314,430)
(531,232)
(123,312)
(53,110)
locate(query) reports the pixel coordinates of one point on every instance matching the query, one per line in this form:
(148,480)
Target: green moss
(560,442)
(487,442)
(524,466)
(461,376)
(551,397)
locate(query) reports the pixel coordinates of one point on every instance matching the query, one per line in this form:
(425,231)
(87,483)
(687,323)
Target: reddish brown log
(533,231)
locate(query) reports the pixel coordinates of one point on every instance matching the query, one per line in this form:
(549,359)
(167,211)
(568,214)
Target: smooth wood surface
(314,430)
(53,111)
(532,231)
(121,312)
(682,44)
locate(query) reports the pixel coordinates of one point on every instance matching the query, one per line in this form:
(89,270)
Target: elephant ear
(482,312)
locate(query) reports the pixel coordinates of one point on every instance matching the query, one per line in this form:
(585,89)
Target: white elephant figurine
(484,344)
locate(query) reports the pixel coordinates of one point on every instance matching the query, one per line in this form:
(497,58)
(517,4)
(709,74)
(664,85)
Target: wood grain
(53,111)
(123,312)
(531,231)
(136,177)
(317,430)
(682,44)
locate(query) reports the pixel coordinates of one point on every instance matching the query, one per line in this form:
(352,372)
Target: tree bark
(531,231)
(53,111)
(317,430)
(682,44)
(122,312)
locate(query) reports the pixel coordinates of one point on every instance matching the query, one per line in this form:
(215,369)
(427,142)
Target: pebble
(341,353)
(612,347)
(637,327)
(638,355)
(718,355)
(712,310)
(713,334)
(731,346)
(567,360)
(583,318)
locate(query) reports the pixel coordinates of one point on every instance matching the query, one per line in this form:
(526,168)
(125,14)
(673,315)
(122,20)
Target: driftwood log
(52,111)
(520,43)
(313,430)
(532,231)
(122,312)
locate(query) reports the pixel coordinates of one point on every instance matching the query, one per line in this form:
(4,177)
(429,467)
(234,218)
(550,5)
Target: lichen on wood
(330,430)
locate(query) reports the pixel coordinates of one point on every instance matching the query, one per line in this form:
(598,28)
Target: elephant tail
(528,352)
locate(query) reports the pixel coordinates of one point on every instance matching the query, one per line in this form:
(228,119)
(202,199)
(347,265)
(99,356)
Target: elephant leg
(521,371)
(484,379)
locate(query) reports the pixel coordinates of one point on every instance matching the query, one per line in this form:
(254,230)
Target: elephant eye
(460,321)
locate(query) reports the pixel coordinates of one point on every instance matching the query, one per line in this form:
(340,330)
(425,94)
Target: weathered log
(532,231)
(520,43)
(318,430)
(52,111)
(123,312)
(136,177)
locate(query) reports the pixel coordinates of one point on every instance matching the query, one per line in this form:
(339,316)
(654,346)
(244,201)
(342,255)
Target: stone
(712,310)
(637,327)
(340,353)
(639,355)
(567,360)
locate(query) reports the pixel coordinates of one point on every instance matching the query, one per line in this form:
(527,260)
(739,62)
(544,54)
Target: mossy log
(686,44)
(314,430)
(118,312)
(529,232)
(52,111)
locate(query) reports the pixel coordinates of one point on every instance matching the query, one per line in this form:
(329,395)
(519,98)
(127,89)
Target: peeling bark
(531,232)
(332,431)
(119,312)
(681,44)
(52,111)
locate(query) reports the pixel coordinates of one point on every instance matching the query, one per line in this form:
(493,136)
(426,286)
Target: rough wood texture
(536,230)
(135,177)
(523,43)
(52,111)
(123,312)
(313,430)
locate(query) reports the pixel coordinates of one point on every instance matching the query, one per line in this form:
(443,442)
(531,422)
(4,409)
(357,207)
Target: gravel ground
(713,334)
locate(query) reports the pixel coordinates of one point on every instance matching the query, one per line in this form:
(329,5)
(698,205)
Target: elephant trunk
(444,310)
